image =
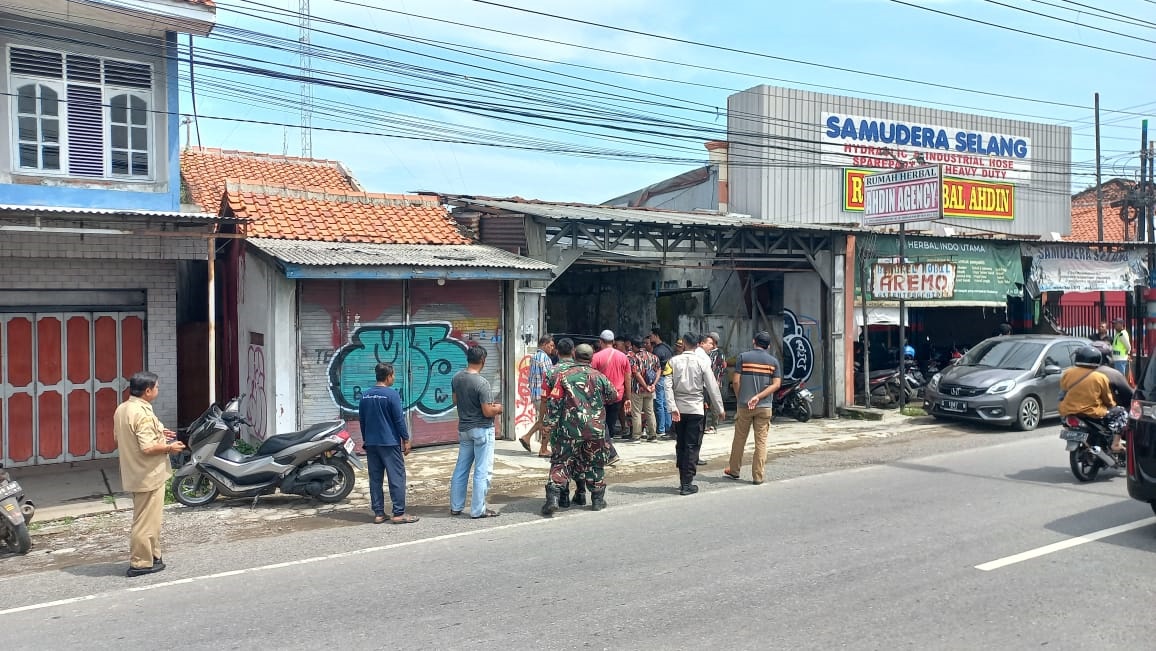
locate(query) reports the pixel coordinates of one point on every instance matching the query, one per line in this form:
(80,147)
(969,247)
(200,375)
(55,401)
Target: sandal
(544,456)
(487,514)
(378,519)
(727,472)
(404,518)
(525,444)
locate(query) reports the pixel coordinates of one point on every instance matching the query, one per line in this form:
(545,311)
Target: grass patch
(912,410)
(169,491)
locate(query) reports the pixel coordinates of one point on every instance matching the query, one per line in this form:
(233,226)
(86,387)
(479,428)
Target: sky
(585,124)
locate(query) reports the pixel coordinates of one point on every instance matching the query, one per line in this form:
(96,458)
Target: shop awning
(358,261)
(878,316)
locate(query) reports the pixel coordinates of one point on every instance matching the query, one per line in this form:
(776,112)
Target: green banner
(986,271)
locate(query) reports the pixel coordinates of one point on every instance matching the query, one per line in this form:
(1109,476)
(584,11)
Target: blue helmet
(909,352)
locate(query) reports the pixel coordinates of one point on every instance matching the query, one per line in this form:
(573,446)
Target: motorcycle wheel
(1085,465)
(19,539)
(802,410)
(194,490)
(342,485)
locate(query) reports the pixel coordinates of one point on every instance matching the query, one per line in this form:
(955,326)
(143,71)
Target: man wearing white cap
(615,365)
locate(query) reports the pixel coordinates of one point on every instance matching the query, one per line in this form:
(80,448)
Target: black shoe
(563,498)
(597,499)
(579,498)
(157,566)
(688,489)
(551,505)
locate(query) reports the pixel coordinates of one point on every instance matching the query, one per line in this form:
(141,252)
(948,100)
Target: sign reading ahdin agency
(913,281)
(910,195)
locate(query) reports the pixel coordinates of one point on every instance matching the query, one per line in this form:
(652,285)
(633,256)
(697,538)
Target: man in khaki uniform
(144,468)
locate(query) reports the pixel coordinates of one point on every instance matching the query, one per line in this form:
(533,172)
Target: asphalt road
(880,555)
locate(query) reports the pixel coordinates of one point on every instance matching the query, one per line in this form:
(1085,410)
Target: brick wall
(66,245)
(157,278)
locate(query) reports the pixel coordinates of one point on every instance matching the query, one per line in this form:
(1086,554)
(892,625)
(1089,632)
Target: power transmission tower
(306,86)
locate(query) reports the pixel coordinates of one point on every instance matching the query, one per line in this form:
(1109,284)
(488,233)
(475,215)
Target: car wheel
(1028,414)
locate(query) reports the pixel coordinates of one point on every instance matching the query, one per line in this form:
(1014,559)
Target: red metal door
(61,378)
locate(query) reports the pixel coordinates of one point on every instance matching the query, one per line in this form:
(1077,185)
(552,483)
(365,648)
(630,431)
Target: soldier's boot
(598,499)
(579,498)
(551,505)
(564,497)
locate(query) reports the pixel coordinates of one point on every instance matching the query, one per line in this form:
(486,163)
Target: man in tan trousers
(757,376)
(144,449)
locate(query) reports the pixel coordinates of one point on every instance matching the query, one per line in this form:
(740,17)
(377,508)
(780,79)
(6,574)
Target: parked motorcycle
(315,462)
(18,514)
(1089,448)
(886,386)
(793,399)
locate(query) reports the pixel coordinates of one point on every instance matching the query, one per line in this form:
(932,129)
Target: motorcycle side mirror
(1052,369)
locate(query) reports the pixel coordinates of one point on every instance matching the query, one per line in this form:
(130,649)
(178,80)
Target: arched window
(128,135)
(38,127)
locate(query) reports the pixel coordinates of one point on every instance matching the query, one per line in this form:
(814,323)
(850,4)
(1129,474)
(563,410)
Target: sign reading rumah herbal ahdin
(986,272)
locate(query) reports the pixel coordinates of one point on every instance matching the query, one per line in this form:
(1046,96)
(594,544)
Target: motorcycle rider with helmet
(1121,390)
(1087,392)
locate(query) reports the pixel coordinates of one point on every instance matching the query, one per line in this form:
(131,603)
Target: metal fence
(1084,320)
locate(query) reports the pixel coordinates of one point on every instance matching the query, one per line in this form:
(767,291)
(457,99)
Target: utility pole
(1100,205)
(188,121)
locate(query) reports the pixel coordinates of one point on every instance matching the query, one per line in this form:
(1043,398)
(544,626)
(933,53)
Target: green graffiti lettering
(424,356)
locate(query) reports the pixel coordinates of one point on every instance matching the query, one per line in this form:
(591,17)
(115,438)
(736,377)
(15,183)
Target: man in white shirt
(685,377)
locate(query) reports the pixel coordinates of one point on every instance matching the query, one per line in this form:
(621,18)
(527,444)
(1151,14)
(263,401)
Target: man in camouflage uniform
(576,420)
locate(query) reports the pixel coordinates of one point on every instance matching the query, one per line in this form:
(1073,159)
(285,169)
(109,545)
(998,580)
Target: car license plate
(10,489)
(349,445)
(1074,435)
(958,406)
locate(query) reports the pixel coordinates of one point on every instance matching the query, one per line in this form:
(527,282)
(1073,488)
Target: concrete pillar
(718,152)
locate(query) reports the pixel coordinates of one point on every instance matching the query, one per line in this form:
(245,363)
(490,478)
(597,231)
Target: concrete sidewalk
(80,489)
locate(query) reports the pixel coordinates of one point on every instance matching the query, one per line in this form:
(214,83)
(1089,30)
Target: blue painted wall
(126,195)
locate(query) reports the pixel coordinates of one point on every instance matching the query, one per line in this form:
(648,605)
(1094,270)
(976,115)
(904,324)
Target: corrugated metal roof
(575,212)
(333,254)
(159,214)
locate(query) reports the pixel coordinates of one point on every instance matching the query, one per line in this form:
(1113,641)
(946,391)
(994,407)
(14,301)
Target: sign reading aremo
(913,281)
(911,195)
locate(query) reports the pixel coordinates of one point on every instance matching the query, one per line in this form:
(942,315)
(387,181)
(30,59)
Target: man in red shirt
(615,365)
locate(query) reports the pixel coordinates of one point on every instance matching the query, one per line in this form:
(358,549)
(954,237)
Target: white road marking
(1062,545)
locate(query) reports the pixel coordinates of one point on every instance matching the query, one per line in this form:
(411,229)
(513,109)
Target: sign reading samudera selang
(961,197)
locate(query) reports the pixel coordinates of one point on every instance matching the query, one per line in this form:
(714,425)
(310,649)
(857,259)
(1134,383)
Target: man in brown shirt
(144,449)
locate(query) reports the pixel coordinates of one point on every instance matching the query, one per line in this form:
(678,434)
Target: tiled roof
(330,254)
(1084,228)
(336,215)
(205,172)
(207,3)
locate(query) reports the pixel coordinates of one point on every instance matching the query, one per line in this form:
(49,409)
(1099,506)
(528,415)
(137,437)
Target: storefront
(631,270)
(974,280)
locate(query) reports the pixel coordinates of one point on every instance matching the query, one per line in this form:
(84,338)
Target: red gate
(61,377)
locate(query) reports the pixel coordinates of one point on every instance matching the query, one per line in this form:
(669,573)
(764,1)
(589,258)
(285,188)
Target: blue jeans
(476,449)
(661,413)
(1122,366)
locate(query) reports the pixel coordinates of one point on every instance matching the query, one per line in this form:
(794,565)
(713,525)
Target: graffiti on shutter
(433,355)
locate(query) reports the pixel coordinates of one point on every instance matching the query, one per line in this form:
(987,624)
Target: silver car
(1012,380)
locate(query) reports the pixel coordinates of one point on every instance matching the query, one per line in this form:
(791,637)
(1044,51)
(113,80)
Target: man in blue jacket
(386,443)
